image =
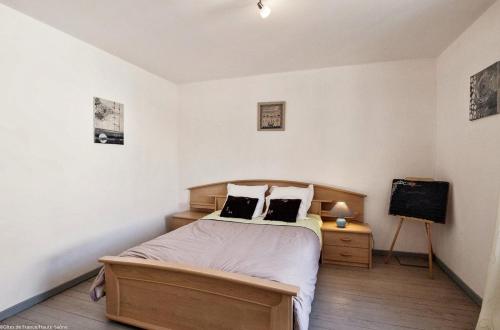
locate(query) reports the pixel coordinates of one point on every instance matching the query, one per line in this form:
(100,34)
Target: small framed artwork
(271,116)
(108,121)
(484,92)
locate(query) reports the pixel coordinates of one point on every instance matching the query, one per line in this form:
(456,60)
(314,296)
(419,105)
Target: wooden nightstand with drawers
(350,246)
(183,218)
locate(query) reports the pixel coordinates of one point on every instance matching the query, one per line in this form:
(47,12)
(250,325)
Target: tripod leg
(394,240)
(429,238)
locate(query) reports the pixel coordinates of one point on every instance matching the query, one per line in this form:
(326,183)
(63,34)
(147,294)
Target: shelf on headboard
(327,214)
(202,206)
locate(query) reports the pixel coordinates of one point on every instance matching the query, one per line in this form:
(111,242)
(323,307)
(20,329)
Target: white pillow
(249,191)
(304,194)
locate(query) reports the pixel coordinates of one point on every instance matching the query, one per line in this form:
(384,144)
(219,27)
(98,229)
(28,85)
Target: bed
(222,274)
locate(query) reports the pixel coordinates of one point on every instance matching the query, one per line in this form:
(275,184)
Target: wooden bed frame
(163,295)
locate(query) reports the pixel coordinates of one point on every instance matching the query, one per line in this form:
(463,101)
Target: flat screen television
(419,199)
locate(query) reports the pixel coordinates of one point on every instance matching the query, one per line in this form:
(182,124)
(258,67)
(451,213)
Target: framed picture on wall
(485,92)
(271,116)
(108,122)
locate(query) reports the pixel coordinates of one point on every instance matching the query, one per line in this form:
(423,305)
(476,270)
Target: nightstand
(184,218)
(350,246)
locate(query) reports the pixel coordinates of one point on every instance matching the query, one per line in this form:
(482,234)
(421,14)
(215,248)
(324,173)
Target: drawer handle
(346,255)
(343,239)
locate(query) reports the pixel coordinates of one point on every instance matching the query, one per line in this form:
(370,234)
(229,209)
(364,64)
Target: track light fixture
(264,10)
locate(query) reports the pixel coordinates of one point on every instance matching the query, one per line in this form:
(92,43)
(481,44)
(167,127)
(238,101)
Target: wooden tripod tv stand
(428,231)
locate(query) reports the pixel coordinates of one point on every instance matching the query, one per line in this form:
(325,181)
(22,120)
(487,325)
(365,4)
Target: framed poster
(108,122)
(484,92)
(271,116)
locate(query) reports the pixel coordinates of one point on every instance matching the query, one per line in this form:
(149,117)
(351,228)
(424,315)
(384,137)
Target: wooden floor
(385,297)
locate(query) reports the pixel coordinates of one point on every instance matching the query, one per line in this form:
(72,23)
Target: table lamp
(340,210)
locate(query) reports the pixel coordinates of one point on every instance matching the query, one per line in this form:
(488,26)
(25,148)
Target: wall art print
(108,122)
(484,92)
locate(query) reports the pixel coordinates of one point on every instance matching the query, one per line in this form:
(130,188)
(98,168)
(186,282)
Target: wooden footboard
(162,295)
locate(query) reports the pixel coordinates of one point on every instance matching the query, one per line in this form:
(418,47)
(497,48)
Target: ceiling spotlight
(264,10)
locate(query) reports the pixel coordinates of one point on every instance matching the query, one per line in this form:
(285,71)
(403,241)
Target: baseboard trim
(30,302)
(458,281)
(399,253)
(451,274)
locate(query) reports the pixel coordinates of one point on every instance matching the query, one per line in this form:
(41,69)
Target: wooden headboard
(211,197)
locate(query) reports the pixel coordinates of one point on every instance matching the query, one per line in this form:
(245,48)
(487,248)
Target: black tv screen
(419,199)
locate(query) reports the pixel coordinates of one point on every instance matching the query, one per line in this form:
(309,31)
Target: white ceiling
(193,40)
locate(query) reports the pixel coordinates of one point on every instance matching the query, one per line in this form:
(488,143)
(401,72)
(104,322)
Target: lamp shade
(341,210)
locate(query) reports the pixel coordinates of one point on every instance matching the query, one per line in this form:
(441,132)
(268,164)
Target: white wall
(64,200)
(468,153)
(357,127)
